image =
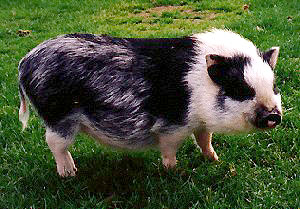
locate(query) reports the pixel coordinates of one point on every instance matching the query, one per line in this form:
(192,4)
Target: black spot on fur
(228,73)
(168,62)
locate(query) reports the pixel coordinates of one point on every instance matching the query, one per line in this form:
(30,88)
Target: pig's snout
(267,119)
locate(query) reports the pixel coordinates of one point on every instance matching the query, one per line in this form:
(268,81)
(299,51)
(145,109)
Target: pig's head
(247,97)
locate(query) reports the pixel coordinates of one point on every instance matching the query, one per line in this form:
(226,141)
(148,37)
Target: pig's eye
(275,89)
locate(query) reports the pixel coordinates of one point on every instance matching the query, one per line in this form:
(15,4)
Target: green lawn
(259,170)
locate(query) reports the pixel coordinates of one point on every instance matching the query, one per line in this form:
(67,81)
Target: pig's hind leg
(58,144)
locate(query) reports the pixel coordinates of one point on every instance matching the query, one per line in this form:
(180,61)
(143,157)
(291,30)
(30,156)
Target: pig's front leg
(168,147)
(203,139)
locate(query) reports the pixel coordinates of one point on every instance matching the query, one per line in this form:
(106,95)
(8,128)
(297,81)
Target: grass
(259,170)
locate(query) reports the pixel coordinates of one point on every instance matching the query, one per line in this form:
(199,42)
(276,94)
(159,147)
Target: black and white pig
(136,93)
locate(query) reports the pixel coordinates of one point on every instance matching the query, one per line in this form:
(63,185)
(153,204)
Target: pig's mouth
(267,119)
(270,121)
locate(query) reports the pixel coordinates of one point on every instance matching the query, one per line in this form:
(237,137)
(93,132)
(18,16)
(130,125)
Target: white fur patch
(225,43)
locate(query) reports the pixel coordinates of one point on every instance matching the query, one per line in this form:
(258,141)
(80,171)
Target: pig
(137,93)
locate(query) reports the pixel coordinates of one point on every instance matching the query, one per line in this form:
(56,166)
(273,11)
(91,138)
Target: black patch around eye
(275,89)
(240,92)
(229,75)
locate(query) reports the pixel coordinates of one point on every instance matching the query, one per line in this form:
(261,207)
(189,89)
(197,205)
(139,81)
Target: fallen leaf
(24,32)
(259,28)
(246,7)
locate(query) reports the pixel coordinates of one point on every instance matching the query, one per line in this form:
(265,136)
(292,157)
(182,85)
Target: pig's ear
(213,59)
(216,67)
(271,56)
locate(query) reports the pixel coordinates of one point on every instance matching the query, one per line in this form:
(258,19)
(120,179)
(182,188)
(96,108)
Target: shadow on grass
(122,180)
(109,177)
(102,178)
